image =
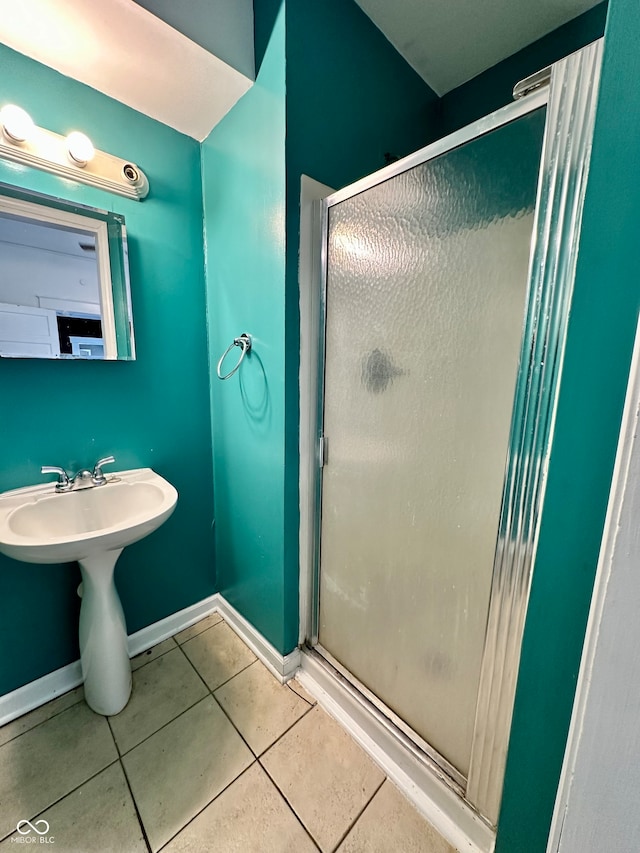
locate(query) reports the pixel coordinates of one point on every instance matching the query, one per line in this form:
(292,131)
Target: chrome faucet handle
(63,478)
(98,476)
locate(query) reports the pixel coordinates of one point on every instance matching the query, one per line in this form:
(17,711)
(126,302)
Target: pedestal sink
(92,526)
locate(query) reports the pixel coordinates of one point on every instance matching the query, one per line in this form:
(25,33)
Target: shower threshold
(416,768)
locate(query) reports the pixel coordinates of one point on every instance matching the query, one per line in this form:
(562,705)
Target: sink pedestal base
(103,636)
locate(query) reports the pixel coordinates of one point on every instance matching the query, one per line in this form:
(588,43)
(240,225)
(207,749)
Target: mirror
(64,280)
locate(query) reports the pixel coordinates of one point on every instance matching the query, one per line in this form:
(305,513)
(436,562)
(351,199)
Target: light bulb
(17,124)
(80,148)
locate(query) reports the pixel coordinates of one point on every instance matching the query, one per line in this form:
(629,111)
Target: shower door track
(570,99)
(415,772)
(403,732)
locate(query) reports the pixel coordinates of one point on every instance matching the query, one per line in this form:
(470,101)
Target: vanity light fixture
(17,124)
(80,148)
(73,157)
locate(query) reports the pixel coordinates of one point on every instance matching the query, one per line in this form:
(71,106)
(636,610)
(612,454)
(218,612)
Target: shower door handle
(323,451)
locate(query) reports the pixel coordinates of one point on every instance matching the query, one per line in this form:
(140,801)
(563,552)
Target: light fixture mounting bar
(49,151)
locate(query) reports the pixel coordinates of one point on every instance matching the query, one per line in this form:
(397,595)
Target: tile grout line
(37,725)
(184,710)
(210,692)
(224,683)
(284,797)
(64,796)
(274,782)
(195,669)
(219,704)
(252,751)
(228,716)
(113,738)
(129,788)
(147,653)
(143,830)
(238,732)
(159,729)
(205,807)
(204,631)
(358,816)
(82,698)
(285,732)
(73,704)
(164,725)
(193,636)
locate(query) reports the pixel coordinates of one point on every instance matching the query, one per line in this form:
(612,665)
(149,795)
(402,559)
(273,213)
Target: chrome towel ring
(243,341)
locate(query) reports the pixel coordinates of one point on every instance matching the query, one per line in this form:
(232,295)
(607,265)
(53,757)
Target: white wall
(598,804)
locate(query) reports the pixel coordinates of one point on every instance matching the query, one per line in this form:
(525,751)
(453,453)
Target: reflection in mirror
(64,284)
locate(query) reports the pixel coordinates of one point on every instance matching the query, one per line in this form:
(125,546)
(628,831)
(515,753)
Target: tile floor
(210,754)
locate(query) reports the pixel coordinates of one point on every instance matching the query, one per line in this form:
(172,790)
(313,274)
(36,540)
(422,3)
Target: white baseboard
(153,634)
(447,812)
(282,667)
(43,690)
(450,815)
(40,691)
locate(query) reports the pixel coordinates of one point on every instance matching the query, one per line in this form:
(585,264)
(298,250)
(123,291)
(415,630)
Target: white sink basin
(40,525)
(92,526)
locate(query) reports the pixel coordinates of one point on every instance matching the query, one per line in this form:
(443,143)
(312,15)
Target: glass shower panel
(426,287)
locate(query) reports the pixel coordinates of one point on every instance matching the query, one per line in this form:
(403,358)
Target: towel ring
(243,341)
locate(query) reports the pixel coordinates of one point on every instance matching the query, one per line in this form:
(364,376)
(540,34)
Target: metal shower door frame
(570,98)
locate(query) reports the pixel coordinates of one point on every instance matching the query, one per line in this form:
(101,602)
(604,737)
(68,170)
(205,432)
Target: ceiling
(62,241)
(186,64)
(450,41)
(126,52)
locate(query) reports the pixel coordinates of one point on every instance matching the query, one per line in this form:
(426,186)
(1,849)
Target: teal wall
(151,412)
(493,88)
(330,106)
(600,339)
(351,100)
(243,179)
(351,97)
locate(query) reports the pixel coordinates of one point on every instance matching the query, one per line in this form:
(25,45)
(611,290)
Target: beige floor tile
(294,685)
(218,654)
(162,689)
(39,715)
(249,817)
(152,653)
(391,823)
(181,768)
(324,775)
(98,817)
(260,707)
(198,628)
(49,761)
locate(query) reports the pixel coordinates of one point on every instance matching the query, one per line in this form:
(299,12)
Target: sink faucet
(83,479)
(63,484)
(97,476)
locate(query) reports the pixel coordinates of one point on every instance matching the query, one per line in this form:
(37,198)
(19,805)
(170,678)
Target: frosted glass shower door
(425,301)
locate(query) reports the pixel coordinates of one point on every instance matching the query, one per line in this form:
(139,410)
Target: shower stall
(445,285)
